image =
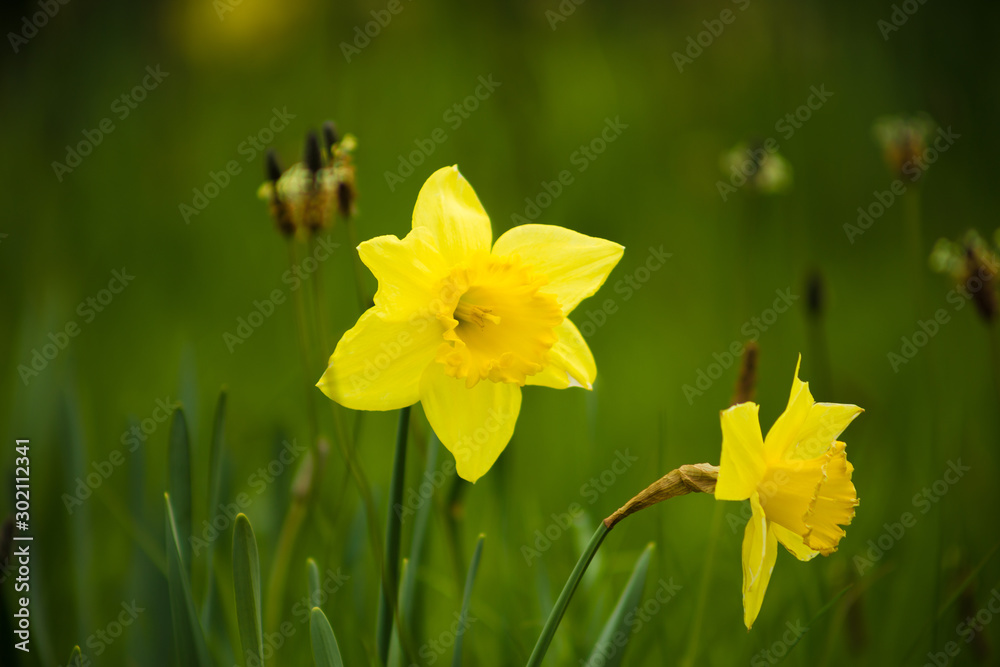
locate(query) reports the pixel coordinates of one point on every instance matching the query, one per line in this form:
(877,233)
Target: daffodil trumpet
(461,323)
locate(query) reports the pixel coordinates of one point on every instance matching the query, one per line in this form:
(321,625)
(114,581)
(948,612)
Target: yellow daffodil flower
(798,481)
(461,323)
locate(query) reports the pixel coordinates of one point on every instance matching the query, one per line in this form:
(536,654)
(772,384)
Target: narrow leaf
(315,592)
(389,593)
(326,653)
(188,636)
(75,658)
(179,483)
(463,621)
(246,585)
(607,651)
(214,492)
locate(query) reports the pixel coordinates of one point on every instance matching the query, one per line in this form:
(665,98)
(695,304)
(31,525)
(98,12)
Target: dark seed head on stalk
(980,282)
(313,158)
(746,384)
(272,167)
(815,295)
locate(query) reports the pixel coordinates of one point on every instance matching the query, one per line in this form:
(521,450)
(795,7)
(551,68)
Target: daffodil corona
(798,481)
(461,323)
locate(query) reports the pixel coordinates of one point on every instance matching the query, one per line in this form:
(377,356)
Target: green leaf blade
(246,586)
(326,653)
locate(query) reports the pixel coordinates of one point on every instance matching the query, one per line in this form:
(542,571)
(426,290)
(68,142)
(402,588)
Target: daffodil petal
(760,550)
(575,264)
(474,424)
(822,426)
(447,205)
(377,365)
(794,542)
(570,362)
(782,435)
(742,461)
(409,273)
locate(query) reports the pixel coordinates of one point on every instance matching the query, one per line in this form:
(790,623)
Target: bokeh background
(231,64)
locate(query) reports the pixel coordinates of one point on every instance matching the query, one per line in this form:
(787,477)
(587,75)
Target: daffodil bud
(697,478)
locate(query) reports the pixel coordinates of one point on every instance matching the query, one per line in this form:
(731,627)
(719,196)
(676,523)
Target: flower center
(498,326)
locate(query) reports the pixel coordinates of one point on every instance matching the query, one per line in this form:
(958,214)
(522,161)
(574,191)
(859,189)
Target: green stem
(694,637)
(306,354)
(393,529)
(549,631)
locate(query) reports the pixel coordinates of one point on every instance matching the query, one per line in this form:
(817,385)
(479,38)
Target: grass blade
(188,636)
(214,492)
(607,651)
(246,585)
(179,484)
(326,653)
(463,621)
(552,623)
(315,592)
(388,596)
(75,658)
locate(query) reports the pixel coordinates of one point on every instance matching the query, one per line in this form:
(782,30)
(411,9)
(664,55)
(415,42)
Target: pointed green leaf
(75,657)
(214,491)
(463,623)
(389,594)
(179,483)
(188,636)
(315,592)
(607,651)
(246,585)
(326,653)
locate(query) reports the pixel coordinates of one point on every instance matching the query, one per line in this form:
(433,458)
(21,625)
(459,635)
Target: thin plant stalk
(393,530)
(549,630)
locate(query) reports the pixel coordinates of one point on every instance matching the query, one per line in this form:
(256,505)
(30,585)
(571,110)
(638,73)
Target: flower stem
(549,630)
(393,528)
(306,354)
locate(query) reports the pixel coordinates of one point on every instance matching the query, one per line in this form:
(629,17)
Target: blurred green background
(230,65)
